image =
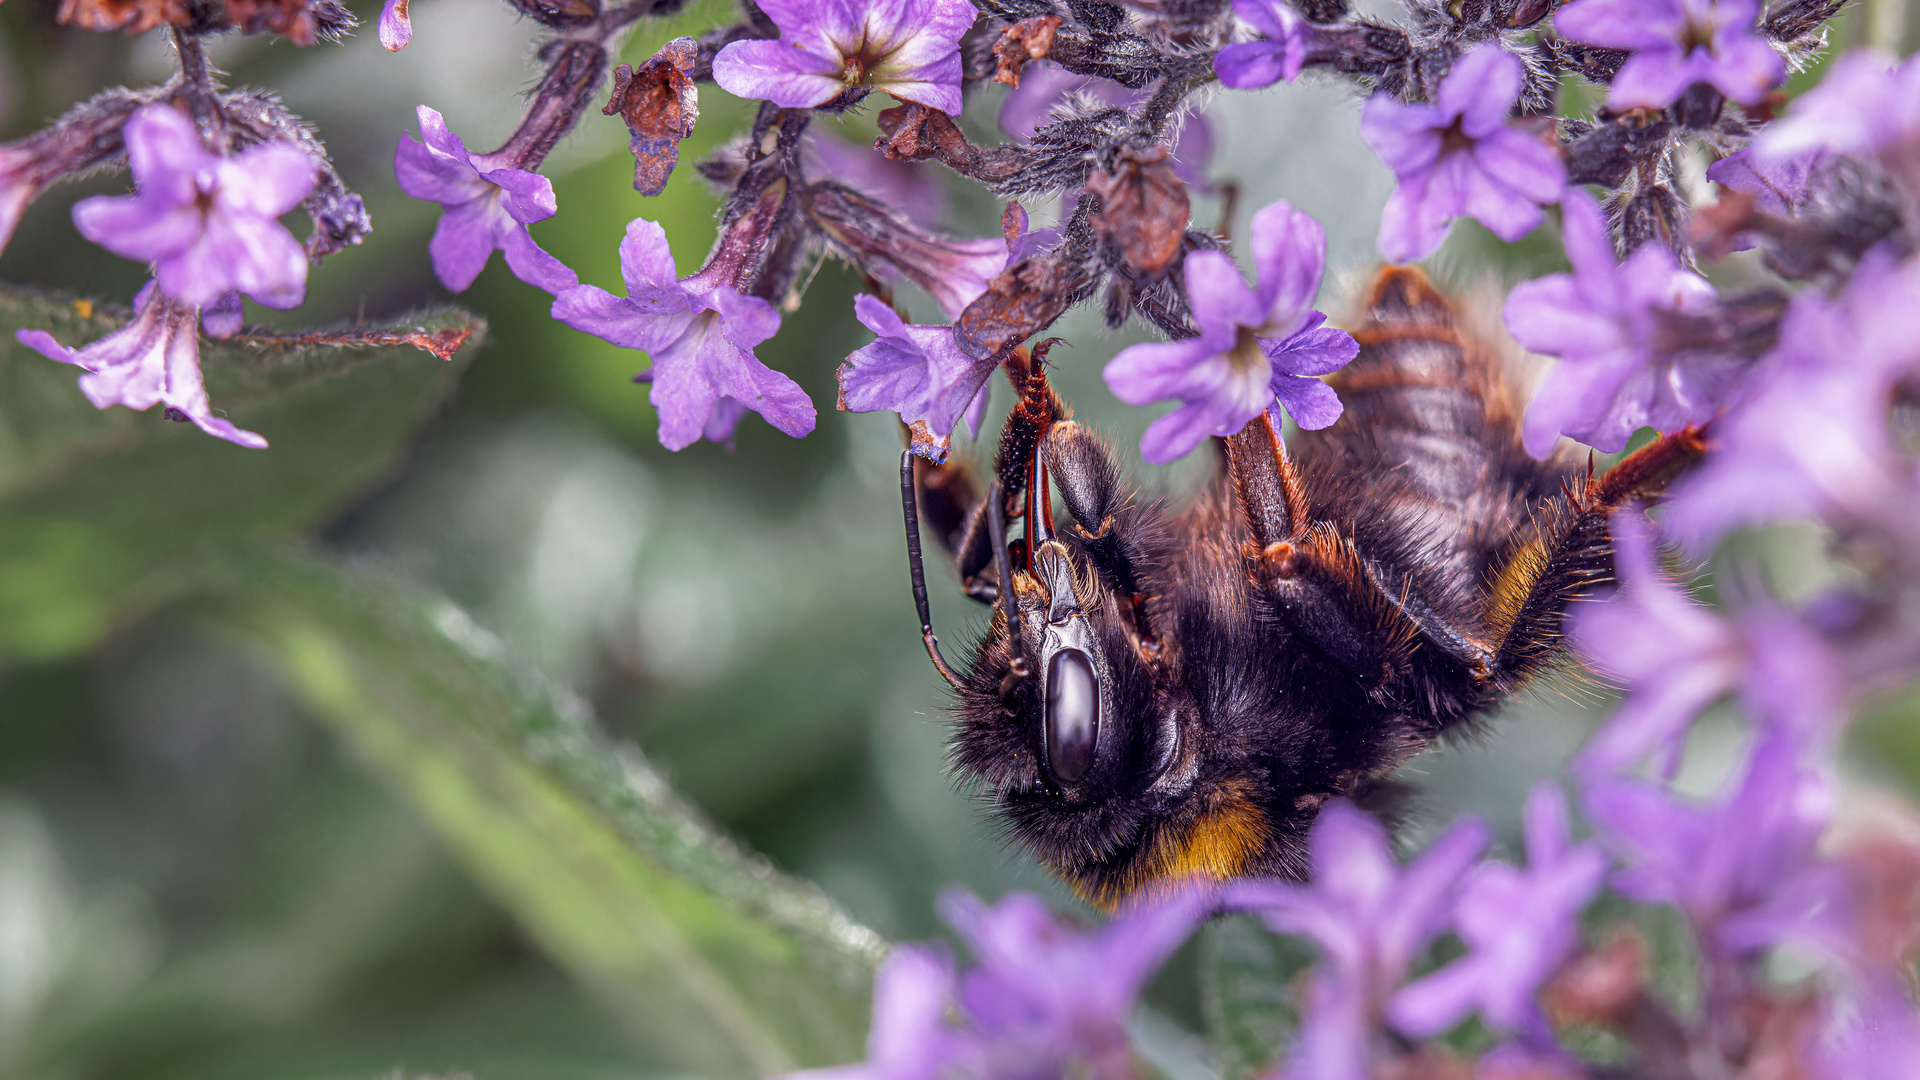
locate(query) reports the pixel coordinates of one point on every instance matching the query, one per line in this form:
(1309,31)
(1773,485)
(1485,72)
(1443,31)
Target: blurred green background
(198,878)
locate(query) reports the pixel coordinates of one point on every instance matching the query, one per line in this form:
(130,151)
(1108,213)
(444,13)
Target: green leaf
(105,513)
(718,959)
(1247,994)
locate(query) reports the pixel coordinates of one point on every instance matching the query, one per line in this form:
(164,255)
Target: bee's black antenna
(911,507)
(1003,563)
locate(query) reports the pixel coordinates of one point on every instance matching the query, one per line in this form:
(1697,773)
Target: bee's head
(1076,718)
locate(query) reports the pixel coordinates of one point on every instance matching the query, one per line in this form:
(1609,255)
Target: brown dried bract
(135,16)
(913,132)
(1143,210)
(291,19)
(1600,986)
(1028,39)
(1024,300)
(660,105)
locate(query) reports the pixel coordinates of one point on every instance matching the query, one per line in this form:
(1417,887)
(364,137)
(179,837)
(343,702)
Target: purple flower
(1460,156)
(1675,44)
(1370,920)
(1743,868)
(208,224)
(909,1038)
(153,360)
(1811,438)
(1676,657)
(1254,345)
(1610,324)
(916,371)
(485,208)
(701,337)
(1866,105)
(1045,995)
(396,25)
(909,48)
(1519,926)
(1254,64)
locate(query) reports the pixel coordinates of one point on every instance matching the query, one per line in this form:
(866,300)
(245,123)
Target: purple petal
(1506,213)
(44,343)
(1251,65)
(1218,295)
(1522,164)
(1407,137)
(776,71)
(1414,222)
(224,317)
(1312,403)
(165,154)
(1653,79)
(1289,255)
(532,263)
(467,236)
(266,180)
(651,323)
(1154,371)
(396,27)
(137,228)
(1176,434)
(1623,24)
(1480,90)
(527,197)
(1315,350)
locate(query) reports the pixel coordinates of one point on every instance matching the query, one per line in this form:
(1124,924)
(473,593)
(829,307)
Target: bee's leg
(1311,575)
(1569,553)
(1105,520)
(1032,416)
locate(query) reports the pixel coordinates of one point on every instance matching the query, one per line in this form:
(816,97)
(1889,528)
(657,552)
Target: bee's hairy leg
(1315,580)
(1081,466)
(1570,553)
(1037,409)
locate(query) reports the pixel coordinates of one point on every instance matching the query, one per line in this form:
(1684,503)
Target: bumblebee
(1163,695)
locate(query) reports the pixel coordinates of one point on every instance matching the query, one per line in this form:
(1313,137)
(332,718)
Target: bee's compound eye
(1073,714)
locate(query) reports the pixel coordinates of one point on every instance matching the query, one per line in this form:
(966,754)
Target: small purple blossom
(1461,157)
(1519,925)
(1743,868)
(1675,44)
(701,337)
(396,25)
(1253,64)
(209,224)
(153,360)
(1867,105)
(916,371)
(1811,438)
(1676,657)
(486,208)
(1045,996)
(1370,919)
(1255,346)
(910,49)
(1609,323)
